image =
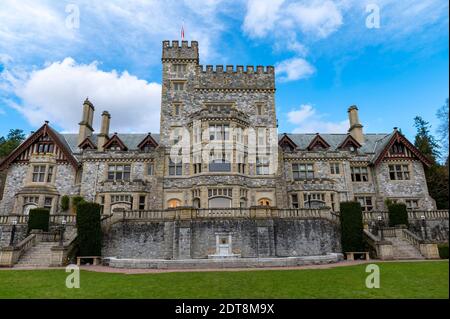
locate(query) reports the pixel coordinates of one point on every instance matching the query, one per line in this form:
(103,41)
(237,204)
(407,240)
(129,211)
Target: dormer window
(318,143)
(115,144)
(398,148)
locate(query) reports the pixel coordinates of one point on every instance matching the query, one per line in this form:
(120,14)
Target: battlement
(173,50)
(249,69)
(236,77)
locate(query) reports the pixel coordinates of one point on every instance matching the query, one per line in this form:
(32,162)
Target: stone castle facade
(218,147)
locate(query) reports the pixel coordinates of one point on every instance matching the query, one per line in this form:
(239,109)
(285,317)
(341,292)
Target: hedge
(89,229)
(75,201)
(39,218)
(351,227)
(398,215)
(65,202)
(443,251)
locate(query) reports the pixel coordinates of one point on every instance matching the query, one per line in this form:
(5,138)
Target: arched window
(173,203)
(196,202)
(219,202)
(264,202)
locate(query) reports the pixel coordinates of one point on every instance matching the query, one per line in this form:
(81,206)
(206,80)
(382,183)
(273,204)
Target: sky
(390,58)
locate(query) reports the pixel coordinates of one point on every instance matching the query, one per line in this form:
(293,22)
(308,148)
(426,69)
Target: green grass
(398,280)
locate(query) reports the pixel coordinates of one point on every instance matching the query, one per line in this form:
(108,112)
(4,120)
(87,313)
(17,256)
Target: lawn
(398,280)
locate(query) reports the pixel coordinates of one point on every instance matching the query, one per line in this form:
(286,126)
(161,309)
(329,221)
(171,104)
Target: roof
(131,140)
(373,143)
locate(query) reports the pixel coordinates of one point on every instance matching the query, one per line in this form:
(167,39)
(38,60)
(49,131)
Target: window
(176,135)
(219,202)
(260,108)
(397,148)
(399,172)
(175,169)
(219,132)
(412,204)
(179,68)
(42,173)
(119,172)
(239,135)
(177,109)
(264,202)
(150,169)
(197,133)
(49,174)
(45,148)
(212,192)
(31,200)
(197,163)
(302,171)
(241,159)
(366,203)
(178,86)
(262,165)
(333,202)
(173,203)
(121,198)
(102,203)
(359,174)
(335,169)
(294,201)
(220,162)
(314,200)
(142,202)
(48,203)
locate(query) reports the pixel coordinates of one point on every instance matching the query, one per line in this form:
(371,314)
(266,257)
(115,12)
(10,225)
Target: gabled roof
(148,140)
(318,140)
(87,143)
(349,140)
(396,136)
(115,139)
(286,140)
(43,130)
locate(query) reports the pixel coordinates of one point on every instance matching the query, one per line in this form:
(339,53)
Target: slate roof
(130,140)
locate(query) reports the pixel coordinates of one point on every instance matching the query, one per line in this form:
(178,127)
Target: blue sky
(326,59)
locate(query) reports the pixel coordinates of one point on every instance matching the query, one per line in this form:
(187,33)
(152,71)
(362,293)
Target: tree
(436,175)
(10,143)
(424,141)
(442,130)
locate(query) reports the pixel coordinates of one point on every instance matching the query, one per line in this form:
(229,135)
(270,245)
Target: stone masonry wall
(197,238)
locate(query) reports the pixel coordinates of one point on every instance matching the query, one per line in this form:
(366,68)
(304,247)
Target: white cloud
(294,69)
(320,18)
(57,91)
(307,120)
(261,16)
(317,18)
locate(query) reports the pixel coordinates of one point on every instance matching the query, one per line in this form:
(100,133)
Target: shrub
(76,200)
(65,201)
(89,229)
(39,218)
(398,215)
(443,251)
(351,227)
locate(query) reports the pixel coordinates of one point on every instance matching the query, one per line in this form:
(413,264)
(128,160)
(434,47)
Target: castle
(218,148)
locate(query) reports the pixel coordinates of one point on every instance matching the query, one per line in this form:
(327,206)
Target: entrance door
(224,246)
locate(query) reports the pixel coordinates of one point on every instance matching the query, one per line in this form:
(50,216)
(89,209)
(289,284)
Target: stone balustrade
(23,219)
(412,215)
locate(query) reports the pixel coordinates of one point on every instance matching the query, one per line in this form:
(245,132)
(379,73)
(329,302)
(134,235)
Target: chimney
(86,121)
(356,129)
(104,131)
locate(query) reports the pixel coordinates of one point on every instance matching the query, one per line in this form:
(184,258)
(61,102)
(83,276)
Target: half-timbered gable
(115,144)
(318,143)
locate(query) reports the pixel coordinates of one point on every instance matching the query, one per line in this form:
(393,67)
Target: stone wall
(197,239)
(5,234)
(436,230)
(15,180)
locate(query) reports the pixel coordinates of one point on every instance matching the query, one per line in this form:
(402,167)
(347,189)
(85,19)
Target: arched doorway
(27,208)
(173,203)
(196,203)
(264,202)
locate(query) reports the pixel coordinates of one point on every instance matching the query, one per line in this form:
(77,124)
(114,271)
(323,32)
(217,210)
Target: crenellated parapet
(240,78)
(176,50)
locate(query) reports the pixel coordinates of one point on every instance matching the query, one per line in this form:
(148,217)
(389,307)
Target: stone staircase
(402,249)
(39,255)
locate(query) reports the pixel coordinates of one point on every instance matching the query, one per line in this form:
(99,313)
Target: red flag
(182,32)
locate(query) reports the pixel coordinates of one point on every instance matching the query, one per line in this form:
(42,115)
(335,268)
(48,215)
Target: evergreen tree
(12,140)
(436,175)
